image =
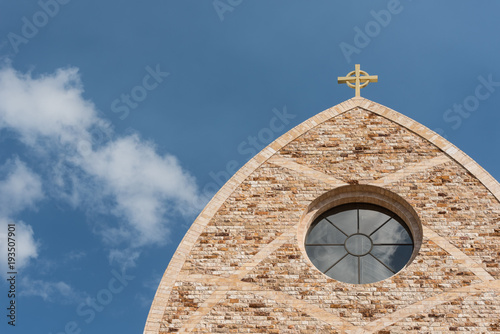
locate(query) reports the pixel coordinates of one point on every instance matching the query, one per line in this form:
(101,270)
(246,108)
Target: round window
(359,243)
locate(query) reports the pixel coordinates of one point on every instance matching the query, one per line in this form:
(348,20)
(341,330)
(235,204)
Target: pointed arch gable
(173,270)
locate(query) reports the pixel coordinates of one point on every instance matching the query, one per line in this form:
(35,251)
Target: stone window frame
(361,194)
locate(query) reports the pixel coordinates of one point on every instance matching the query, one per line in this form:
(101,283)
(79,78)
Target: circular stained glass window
(359,243)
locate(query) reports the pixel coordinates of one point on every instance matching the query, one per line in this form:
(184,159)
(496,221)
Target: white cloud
(104,173)
(74,255)
(144,301)
(145,185)
(50,106)
(125,258)
(20,189)
(59,292)
(26,247)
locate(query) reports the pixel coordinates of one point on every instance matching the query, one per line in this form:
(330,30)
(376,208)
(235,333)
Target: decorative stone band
(343,326)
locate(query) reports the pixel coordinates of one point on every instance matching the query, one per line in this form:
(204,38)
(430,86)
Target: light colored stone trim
(230,284)
(453,152)
(458,254)
(290,164)
(234,280)
(304,170)
(172,272)
(426,304)
(411,169)
(194,319)
(278,296)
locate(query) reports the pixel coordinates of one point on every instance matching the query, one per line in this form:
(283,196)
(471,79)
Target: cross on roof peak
(357,79)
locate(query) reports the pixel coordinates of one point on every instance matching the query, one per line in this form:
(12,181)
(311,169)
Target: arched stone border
(171,273)
(361,194)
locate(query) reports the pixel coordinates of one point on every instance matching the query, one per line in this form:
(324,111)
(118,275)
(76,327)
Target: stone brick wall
(241,269)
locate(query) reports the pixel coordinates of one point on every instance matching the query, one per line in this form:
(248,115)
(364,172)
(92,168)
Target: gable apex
(406,122)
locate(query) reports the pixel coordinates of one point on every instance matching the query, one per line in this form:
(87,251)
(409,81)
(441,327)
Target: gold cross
(360,78)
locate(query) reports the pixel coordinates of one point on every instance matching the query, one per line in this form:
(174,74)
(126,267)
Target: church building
(358,220)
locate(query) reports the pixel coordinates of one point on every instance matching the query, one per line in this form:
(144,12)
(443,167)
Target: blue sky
(120,119)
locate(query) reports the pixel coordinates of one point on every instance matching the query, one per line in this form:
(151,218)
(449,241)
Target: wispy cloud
(75,255)
(55,292)
(125,258)
(145,185)
(26,244)
(124,176)
(46,108)
(20,189)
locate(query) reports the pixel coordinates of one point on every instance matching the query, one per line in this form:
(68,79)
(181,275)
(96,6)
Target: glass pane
(325,233)
(391,233)
(372,270)
(347,221)
(395,257)
(358,244)
(346,270)
(370,220)
(323,257)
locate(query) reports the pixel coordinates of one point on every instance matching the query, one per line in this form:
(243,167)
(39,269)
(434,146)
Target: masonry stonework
(241,268)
